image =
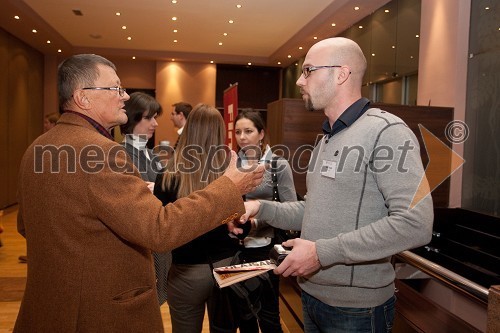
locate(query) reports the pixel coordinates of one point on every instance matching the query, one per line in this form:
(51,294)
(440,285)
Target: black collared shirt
(94,124)
(347,118)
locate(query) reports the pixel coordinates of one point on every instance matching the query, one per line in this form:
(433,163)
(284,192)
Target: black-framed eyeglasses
(306,71)
(121,91)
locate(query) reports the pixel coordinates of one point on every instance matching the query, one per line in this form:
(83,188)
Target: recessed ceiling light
(59,50)
(411,57)
(249,64)
(124,27)
(300,47)
(356,8)
(225,34)
(373,54)
(289,56)
(361,27)
(417,36)
(334,24)
(34,31)
(387,10)
(129,38)
(175,40)
(133,58)
(173,59)
(175,30)
(394,46)
(17,17)
(279,62)
(231,21)
(48,42)
(211,61)
(174,18)
(487,8)
(315,37)
(220,43)
(118,14)
(174,1)
(238,6)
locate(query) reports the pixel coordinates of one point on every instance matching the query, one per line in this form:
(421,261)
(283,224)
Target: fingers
(252,207)
(257,175)
(284,268)
(234,157)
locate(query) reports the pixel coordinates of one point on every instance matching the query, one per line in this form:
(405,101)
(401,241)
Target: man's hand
(302,260)
(235,227)
(246,180)
(252,207)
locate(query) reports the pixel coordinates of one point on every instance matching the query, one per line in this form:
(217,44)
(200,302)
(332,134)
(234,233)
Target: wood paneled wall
(290,124)
(21,108)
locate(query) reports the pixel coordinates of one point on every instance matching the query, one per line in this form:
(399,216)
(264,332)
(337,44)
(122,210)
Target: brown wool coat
(90,233)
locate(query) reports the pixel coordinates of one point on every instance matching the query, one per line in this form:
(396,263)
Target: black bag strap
(274,178)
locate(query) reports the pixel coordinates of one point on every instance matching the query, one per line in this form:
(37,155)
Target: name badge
(328,169)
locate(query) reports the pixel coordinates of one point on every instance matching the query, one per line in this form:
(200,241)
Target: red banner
(230,112)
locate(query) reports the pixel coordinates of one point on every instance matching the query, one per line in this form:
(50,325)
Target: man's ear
(81,100)
(343,75)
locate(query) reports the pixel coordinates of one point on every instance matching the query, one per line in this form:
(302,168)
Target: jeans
(320,317)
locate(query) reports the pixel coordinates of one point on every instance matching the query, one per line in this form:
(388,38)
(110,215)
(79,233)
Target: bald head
(344,52)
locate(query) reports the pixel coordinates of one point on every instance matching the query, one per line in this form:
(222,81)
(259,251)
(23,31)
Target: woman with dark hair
(142,111)
(200,158)
(252,141)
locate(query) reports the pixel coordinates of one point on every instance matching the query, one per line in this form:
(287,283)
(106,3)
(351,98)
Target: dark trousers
(269,314)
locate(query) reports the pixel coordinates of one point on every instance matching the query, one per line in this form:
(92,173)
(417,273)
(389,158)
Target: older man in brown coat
(90,221)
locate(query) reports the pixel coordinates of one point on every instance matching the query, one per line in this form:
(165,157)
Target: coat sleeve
(122,201)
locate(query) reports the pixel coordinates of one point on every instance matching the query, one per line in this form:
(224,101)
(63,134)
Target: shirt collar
(138,141)
(92,122)
(347,118)
(266,156)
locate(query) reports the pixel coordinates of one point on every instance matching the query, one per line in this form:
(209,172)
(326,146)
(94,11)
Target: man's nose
(300,81)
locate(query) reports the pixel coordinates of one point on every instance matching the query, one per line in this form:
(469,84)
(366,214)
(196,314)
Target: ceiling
(263,32)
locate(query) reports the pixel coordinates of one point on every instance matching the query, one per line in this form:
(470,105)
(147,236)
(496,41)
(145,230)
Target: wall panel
(21,108)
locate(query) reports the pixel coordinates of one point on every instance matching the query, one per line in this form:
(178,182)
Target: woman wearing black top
(198,160)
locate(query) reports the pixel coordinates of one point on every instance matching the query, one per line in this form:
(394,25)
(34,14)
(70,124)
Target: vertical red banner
(230,112)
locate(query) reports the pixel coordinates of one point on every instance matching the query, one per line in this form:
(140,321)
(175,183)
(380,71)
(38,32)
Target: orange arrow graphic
(443,162)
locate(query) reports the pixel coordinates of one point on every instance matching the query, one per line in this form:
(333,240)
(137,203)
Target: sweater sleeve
(283,215)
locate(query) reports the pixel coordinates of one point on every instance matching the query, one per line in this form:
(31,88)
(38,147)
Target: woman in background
(200,158)
(251,138)
(142,111)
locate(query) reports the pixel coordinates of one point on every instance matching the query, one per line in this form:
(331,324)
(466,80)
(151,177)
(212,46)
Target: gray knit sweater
(362,216)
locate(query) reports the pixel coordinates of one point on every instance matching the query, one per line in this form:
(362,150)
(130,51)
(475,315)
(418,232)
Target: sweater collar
(347,118)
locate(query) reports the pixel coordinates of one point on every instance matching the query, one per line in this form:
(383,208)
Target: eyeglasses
(121,91)
(306,71)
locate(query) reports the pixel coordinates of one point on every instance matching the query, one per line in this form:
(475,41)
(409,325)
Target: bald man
(359,208)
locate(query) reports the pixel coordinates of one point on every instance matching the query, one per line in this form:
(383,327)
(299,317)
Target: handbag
(240,300)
